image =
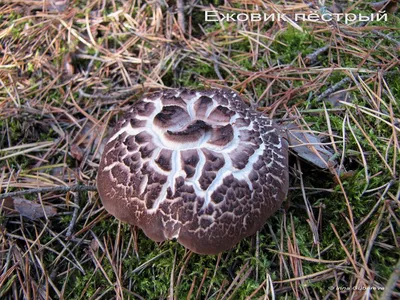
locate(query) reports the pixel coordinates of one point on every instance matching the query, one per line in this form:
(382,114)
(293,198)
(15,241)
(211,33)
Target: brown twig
(181,15)
(74,216)
(337,86)
(64,189)
(312,57)
(387,37)
(391,284)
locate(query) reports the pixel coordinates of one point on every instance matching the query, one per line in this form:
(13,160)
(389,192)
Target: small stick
(74,216)
(391,283)
(337,86)
(181,15)
(312,57)
(257,253)
(341,83)
(388,37)
(216,67)
(72,188)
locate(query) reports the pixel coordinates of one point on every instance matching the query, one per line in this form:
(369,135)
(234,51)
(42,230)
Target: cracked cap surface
(196,165)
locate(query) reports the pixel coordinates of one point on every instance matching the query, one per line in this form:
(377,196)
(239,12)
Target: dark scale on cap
(222,136)
(164,160)
(187,95)
(250,136)
(207,170)
(218,197)
(130,144)
(146,150)
(214,160)
(239,157)
(135,123)
(120,174)
(242,122)
(151,196)
(206,179)
(202,105)
(173,100)
(144,108)
(221,114)
(191,133)
(190,157)
(190,171)
(143,138)
(273,139)
(171,116)
(225,97)
(133,162)
(112,155)
(205,222)
(189,161)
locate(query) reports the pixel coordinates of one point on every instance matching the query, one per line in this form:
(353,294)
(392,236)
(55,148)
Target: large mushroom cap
(198,166)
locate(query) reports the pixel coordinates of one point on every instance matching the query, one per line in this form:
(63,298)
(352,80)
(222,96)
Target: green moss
(292,42)
(188,76)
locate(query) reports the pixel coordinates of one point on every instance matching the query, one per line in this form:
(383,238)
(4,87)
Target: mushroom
(199,166)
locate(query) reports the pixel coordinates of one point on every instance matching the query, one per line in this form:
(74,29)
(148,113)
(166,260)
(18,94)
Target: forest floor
(69,69)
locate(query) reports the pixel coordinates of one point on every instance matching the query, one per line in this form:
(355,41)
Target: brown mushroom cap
(198,166)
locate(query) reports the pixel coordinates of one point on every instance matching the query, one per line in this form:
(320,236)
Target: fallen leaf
(344,175)
(387,6)
(57,5)
(94,245)
(336,97)
(67,65)
(7,205)
(33,210)
(309,147)
(336,8)
(52,6)
(76,152)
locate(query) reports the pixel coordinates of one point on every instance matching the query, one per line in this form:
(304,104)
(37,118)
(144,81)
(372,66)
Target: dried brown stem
(62,189)
(181,15)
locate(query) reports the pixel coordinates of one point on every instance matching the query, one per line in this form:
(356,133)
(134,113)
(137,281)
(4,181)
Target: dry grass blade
(31,148)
